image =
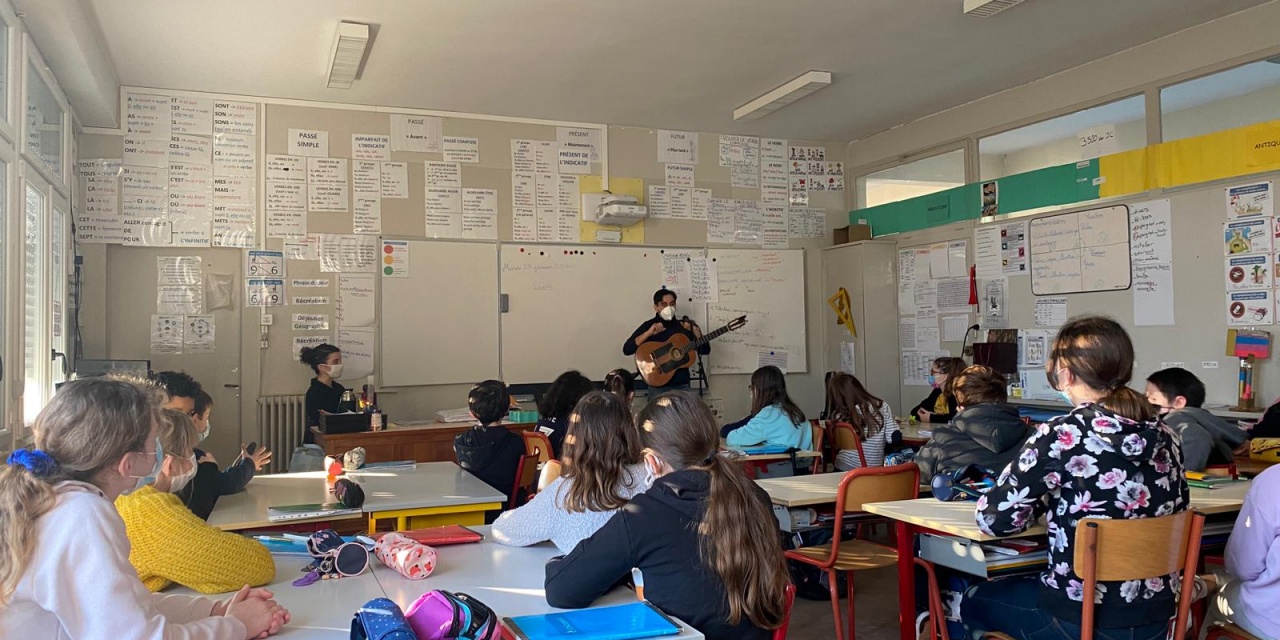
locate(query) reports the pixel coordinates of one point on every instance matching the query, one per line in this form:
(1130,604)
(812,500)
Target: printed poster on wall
(1250,235)
(1249,272)
(1250,201)
(395,259)
(1247,308)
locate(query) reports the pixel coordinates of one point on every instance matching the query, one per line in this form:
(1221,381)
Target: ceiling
(675,64)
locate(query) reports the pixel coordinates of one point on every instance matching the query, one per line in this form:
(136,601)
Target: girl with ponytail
(703,537)
(64,555)
(621,383)
(1110,457)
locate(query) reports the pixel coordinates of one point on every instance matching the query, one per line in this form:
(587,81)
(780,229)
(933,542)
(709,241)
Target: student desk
(927,515)
(431,494)
(508,579)
(321,610)
(427,442)
(911,435)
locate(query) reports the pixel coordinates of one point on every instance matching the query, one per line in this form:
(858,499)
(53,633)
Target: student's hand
(924,415)
(260,615)
(207,457)
(260,458)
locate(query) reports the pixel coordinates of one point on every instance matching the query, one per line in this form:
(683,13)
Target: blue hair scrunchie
(36,461)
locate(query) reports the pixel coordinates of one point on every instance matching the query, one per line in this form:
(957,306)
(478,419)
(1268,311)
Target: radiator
(282,421)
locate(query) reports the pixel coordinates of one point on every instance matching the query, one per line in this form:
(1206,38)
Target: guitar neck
(708,337)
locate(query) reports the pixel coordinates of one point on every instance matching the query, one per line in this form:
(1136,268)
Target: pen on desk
(273,539)
(293,537)
(638,579)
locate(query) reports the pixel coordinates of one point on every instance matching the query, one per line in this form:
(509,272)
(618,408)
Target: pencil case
(405,556)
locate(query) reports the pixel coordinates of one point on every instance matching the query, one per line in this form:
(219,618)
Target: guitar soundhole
(677,354)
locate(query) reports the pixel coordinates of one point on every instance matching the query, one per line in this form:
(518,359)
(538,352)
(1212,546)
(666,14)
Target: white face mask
(179,481)
(335,370)
(668,313)
(205,434)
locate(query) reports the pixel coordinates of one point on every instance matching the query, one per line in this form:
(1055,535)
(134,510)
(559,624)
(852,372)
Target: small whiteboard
(768,288)
(1080,251)
(440,322)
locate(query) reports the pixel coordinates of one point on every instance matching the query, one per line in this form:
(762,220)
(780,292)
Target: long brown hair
(1098,352)
(87,427)
(738,534)
(951,367)
(602,441)
(769,388)
(849,401)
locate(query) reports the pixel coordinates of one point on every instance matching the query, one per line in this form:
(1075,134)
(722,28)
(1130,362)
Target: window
(4,283)
(35,354)
(917,178)
(43,124)
(58,310)
(1109,128)
(1236,97)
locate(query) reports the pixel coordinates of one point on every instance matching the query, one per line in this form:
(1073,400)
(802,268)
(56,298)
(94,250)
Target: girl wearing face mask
(169,543)
(65,571)
(1110,457)
(325,393)
(602,468)
(941,403)
(703,535)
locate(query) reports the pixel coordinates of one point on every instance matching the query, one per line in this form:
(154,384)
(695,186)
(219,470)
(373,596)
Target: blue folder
(625,622)
(764,448)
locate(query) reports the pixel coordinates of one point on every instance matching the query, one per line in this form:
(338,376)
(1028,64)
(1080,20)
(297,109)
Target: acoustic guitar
(659,361)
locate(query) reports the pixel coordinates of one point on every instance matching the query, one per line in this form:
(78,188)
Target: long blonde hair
(177,434)
(87,427)
(738,534)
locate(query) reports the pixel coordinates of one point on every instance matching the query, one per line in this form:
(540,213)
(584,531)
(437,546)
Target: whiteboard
(573,307)
(440,323)
(767,287)
(1080,251)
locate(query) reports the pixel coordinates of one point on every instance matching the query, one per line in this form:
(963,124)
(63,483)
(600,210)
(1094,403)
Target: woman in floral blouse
(1110,457)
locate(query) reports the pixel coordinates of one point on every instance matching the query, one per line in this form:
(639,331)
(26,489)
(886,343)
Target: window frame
(860,193)
(32,61)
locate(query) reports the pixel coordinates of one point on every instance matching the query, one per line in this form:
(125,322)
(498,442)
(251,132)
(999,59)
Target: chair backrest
(781,632)
(876,484)
(846,437)
(537,443)
(526,479)
(1119,550)
(818,435)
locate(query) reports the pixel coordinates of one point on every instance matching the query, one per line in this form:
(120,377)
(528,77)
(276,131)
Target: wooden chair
(1223,471)
(537,443)
(550,471)
(781,632)
(858,487)
(818,465)
(846,438)
(1120,550)
(526,480)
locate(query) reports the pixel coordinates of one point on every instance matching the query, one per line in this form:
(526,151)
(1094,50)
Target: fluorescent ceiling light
(987,8)
(783,96)
(348,52)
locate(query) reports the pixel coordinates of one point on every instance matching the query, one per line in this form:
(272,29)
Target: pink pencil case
(410,559)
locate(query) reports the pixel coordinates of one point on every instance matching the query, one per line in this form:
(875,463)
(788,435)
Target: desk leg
(906,579)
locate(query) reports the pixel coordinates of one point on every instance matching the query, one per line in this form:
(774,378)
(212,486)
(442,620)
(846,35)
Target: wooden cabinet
(427,443)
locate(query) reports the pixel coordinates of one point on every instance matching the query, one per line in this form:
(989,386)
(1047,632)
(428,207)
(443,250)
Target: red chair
(858,487)
(526,483)
(537,443)
(781,632)
(1223,471)
(847,438)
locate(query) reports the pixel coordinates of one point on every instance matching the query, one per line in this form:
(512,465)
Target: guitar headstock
(737,323)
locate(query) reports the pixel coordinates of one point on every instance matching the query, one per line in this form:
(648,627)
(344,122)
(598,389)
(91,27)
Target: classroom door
(131,283)
(866,271)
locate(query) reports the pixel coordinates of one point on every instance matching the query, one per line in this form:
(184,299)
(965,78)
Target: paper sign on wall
(680,147)
(395,179)
(166,334)
(264,292)
(395,258)
(308,342)
(1098,141)
(198,332)
(348,253)
(357,346)
(305,142)
(1248,235)
(264,264)
(577,139)
(355,300)
(416,133)
(179,270)
(1245,308)
(1250,200)
(461,149)
(367,146)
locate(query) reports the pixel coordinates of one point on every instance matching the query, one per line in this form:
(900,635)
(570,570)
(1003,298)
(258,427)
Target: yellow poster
(633,234)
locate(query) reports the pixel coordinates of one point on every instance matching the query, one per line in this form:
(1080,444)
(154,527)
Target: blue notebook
(625,622)
(764,448)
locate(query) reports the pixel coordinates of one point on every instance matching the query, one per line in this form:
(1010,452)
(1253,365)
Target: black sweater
(671,328)
(988,435)
(202,492)
(320,396)
(930,403)
(491,454)
(656,532)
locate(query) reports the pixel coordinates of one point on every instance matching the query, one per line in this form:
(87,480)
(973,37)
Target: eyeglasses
(193,413)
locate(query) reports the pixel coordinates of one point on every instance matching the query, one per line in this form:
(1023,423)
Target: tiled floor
(876,604)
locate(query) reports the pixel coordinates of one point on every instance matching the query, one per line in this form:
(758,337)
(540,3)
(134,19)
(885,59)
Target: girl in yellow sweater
(170,544)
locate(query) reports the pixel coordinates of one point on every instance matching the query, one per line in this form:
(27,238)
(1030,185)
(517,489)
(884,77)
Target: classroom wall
(1215,45)
(274,370)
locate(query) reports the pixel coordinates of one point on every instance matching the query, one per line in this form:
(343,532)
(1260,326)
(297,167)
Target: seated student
(325,393)
(621,383)
(557,403)
(202,492)
(66,571)
(850,402)
(169,543)
(941,404)
(489,450)
(774,420)
(1206,439)
(703,536)
(1110,457)
(1248,596)
(987,431)
(602,469)
(1268,426)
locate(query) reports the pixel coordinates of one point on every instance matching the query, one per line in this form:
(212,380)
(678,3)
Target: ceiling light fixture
(348,52)
(783,96)
(987,8)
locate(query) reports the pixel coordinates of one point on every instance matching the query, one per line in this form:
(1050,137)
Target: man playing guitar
(661,328)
